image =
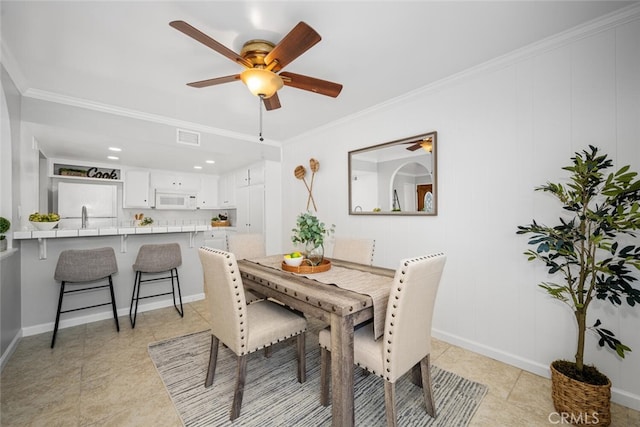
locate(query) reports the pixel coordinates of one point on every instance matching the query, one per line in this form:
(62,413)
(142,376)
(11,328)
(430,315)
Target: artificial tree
(593,248)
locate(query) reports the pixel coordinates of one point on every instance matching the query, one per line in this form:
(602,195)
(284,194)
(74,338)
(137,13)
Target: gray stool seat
(77,267)
(155,259)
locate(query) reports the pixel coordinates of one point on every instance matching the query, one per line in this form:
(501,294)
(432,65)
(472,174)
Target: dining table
(344,296)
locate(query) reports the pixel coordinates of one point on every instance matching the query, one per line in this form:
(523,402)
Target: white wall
(503,129)
(10,299)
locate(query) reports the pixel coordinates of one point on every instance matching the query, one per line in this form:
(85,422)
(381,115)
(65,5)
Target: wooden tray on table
(306,268)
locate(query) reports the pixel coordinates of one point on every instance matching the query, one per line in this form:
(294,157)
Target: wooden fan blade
(272,103)
(415,147)
(198,35)
(215,81)
(300,39)
(311,84)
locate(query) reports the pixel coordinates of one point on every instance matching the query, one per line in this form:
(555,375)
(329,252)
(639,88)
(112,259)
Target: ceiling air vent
(188,137)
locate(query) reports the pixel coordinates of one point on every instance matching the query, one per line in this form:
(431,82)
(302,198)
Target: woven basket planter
(220,223)
(583,404)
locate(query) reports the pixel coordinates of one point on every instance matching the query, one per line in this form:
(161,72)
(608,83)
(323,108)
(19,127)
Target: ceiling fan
(426,144)
(263,60)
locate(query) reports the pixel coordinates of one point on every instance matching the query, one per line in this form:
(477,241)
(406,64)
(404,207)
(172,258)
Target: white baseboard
(620,397)
(48,327)
(10,350)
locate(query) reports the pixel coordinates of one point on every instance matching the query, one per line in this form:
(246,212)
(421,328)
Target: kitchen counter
(112,231)
(40,291)
(124,232)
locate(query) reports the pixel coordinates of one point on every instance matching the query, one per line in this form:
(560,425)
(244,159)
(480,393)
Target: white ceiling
(113,73)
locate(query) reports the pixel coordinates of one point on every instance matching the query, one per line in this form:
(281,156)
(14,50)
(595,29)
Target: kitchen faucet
(84,217)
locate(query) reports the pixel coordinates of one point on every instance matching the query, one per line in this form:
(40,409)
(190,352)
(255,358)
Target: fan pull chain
(260,99)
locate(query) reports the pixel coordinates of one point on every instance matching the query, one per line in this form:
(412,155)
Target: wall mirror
(395,178)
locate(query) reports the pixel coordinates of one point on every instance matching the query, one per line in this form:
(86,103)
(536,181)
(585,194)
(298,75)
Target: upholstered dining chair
(243,328)
(354,250)
(247,246)
(407,333)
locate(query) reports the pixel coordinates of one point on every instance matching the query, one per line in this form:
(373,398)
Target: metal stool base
(135,296)
(63,292)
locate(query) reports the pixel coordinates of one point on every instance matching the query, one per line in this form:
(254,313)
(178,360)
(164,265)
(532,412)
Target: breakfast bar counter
(39,252)
(123,232)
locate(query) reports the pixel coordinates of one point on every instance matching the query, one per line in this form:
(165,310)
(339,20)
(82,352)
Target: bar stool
(156,259)
(76,267)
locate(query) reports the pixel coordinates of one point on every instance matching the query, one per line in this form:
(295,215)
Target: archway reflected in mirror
(395,178)
(412,188)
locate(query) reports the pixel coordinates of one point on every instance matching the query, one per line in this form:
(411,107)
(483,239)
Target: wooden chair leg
(213,358)
(427,387)
(325,364)
(237,395)
(302,358)
(390,403)
(416,375)
(267,352)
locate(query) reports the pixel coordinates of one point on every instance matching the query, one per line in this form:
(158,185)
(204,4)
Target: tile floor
(95,376)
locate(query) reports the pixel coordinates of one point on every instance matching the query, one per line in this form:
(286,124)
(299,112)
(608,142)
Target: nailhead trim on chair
(243,307)
(389,330)
(397,297)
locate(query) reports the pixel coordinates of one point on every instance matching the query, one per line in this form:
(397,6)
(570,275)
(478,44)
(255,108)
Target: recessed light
(211,161)
(197,167)
(113,157)
(115,149)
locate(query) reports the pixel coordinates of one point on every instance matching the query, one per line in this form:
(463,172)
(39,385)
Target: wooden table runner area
(374,285)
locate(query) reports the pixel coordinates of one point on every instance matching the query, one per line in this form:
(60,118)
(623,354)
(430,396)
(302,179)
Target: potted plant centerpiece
(310,232)
(592,249)
(5,224)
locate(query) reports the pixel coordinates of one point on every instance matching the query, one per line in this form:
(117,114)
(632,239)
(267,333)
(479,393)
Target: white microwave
(175,200)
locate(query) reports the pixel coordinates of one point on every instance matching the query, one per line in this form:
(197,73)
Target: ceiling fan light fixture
(427,145)
(261,82)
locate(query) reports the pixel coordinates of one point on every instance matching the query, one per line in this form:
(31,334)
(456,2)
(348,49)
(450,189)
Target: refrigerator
(100,201)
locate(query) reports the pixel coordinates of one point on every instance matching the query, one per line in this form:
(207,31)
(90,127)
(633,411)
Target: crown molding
(138,115)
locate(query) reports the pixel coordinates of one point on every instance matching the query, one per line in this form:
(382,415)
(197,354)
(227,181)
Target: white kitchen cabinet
(174,181)
(208,194)
(250,209)
(251,175)
(136,190)
(227,191)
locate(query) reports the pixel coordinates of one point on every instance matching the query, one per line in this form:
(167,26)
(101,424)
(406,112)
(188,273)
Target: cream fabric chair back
(406,343)
(244,328)
(225,298)
(407,331)
(354,250)
(246,245)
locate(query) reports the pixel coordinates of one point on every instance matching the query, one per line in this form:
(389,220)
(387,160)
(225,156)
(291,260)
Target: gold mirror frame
(384,177)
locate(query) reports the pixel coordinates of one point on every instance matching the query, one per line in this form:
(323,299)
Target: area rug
(273,397)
